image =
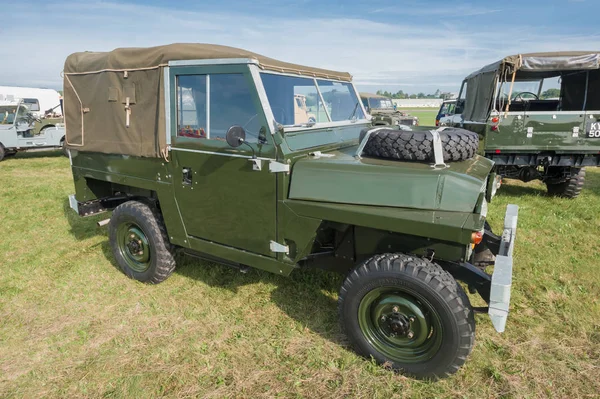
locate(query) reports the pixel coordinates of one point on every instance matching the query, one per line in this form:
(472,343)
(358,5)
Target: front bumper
(502,276)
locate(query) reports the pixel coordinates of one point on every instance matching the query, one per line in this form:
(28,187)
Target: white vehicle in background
(38,100)
(16,130)
(44,104)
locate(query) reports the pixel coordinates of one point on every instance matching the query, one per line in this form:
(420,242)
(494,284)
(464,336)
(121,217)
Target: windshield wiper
(351,117)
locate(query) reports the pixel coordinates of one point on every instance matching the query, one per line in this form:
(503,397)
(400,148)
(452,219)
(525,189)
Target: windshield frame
(256,72)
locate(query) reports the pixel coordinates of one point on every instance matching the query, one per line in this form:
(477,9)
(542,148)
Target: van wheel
(409,314)
(140,244)
(570,188)
(2,152)
(63,145)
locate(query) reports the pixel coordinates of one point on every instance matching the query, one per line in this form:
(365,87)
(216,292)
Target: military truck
(196,150)
(383,112)
(538,116)
(17,131)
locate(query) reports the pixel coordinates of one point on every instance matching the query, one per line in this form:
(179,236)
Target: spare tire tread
(457,145)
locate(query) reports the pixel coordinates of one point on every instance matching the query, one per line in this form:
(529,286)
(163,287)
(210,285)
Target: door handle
(187,176)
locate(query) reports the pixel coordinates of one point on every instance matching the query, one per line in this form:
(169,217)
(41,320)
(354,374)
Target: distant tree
(550,93)
(437,93)
(311,99)
(412,96)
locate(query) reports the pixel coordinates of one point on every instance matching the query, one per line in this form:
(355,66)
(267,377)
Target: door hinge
(277,167)
(277,247)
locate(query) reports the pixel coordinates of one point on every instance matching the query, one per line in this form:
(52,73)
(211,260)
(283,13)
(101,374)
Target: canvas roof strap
(512,82)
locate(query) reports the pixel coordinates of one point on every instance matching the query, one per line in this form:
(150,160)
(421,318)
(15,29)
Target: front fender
(440,225)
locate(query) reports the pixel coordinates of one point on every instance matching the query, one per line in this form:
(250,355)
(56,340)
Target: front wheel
(409,314)
(140,244)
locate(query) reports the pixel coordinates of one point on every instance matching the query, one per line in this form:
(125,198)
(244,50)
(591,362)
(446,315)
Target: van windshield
(7,114)
(303,102)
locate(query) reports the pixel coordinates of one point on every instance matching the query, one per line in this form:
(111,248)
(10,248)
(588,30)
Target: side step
(242,268)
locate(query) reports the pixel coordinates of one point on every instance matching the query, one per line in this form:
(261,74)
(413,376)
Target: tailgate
(562,132)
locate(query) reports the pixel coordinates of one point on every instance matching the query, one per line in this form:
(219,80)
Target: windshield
(522,90)
(7,114)
(381,103)
(303,102)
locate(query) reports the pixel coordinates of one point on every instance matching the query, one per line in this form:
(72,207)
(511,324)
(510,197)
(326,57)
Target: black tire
(160,261)
(2,152)
(457,145)
(570,188)
(63,145)
(432,287)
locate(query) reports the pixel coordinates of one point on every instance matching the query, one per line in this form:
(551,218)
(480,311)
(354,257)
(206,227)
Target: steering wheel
(520,95)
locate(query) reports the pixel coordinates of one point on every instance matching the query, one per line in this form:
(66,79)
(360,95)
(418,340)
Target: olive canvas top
(114,101)
(480,84)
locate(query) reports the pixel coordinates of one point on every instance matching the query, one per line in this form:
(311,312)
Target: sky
(414,46)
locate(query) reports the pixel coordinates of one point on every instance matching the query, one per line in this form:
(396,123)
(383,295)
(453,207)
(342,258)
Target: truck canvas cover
(105,90)
(481,84)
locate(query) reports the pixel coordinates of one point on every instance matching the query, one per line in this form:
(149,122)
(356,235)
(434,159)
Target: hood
(340,177)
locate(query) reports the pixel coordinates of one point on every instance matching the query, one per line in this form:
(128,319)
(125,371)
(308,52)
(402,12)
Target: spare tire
(457,144)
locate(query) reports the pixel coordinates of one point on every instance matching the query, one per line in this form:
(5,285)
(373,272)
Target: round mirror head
(235,136)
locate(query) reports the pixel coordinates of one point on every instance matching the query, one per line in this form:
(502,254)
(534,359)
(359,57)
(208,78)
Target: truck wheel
(140,244)
(457,145)
(63,145)
(2,152)
(409,314)
(570,188)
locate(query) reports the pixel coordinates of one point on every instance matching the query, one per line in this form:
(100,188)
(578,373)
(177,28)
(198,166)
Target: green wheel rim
(400,324)
(133,246)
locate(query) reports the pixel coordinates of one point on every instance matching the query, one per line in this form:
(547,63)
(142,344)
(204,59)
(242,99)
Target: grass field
(71,325)
(426,115)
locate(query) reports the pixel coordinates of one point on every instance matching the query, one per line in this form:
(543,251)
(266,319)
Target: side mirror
(236,136)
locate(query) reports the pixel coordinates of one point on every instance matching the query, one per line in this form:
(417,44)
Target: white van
(38,100)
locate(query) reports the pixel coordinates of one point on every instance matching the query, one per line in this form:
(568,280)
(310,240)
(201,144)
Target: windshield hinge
(277,167)
(277,247)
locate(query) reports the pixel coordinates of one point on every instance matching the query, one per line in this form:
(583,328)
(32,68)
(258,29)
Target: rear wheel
(570,188)
(2,152)
(140,243)
(409,314)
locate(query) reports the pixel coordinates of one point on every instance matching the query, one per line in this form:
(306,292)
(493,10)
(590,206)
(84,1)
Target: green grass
(72,325)
(426,115)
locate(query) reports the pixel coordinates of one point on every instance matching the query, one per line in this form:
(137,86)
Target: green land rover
(196,149)
(383,112)
(538,116)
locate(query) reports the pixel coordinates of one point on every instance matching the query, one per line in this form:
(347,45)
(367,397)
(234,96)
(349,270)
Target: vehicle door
(221,196)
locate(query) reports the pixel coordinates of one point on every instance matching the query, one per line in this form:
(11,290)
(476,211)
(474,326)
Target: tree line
(402,95)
